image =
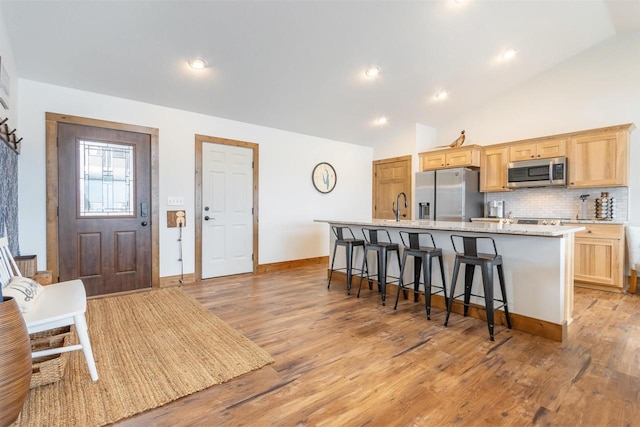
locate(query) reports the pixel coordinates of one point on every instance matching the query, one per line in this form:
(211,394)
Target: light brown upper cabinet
(450,158)
(595,157)
(600,158)
(493,169)
(540,150)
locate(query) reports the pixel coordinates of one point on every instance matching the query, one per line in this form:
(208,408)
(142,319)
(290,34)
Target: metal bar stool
(344,237)
(378,240)
(471,258)
(416,244)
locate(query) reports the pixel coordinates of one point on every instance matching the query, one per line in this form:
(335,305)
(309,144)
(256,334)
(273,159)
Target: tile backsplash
(558,202)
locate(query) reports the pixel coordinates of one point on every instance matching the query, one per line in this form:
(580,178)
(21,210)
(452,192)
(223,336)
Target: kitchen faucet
(397,203)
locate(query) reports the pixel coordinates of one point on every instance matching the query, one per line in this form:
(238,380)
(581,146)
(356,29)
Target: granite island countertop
(477,227)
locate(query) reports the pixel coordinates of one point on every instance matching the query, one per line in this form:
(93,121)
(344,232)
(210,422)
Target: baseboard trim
(167,281)
(597,287)
(519,322)
(262,268)
(277,266)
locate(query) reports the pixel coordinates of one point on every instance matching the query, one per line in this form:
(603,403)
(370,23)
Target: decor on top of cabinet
(604,207)
(459,141)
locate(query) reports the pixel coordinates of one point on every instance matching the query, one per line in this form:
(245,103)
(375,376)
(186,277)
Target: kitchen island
(538,268)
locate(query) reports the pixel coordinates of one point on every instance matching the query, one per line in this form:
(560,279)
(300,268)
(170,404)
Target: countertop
(477,227)
(594,221)
(569,221)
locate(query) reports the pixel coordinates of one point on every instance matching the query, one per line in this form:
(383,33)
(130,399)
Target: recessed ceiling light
(372,71)
(508,54)
(442,94)
(381,121)
(197,63)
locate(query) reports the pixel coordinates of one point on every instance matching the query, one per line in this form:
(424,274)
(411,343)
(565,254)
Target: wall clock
(324,177)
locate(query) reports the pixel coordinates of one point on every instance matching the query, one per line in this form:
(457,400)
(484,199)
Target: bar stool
(378,240)
(416,245)
(344,237)
(471,257)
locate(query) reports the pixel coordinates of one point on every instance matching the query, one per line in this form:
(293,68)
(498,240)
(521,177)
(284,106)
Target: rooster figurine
(459,141)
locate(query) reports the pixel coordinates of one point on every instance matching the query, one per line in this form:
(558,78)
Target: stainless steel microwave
(537,173)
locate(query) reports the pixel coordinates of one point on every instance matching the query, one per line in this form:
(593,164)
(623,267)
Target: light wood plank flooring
(342,361)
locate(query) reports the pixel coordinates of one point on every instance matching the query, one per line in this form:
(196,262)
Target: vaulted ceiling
(299,65)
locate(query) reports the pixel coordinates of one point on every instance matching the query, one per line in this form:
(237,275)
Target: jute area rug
(150,348)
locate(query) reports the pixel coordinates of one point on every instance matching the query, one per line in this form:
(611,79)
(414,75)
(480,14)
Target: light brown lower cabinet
(599,257)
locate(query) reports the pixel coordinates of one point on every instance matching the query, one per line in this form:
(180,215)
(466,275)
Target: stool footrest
(406,287)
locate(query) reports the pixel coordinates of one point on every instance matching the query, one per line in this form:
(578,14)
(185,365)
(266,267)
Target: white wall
(597,88)
(288,201)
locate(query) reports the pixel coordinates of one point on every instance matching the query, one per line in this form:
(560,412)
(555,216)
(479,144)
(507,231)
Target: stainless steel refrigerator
(448,195)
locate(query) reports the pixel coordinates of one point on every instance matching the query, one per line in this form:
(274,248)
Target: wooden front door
(390,178)
(104,208)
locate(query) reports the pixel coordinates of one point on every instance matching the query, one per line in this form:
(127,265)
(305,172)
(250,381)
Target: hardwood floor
(342,361)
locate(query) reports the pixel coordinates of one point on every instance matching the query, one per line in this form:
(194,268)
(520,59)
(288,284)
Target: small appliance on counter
(584,198)
(495,209)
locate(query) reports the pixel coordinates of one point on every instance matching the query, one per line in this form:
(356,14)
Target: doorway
(390,178)
(226,207)
(102,219)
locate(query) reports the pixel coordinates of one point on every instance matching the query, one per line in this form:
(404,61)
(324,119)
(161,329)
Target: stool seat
(379,241)
(344,237)
(415,246)
(487,261)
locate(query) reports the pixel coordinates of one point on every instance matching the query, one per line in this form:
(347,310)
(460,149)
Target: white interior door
(227,203)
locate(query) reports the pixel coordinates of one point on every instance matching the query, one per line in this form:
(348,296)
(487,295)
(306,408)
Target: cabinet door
(598,160)
(433,161)
(522,152)
(599,257)
(553,148)
(493,169)
(540,150)
(596,262)
(459,158)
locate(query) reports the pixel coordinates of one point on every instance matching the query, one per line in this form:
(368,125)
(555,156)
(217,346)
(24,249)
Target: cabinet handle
(589,231)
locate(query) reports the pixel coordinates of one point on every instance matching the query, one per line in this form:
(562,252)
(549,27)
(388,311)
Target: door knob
(206,218)
(144,223)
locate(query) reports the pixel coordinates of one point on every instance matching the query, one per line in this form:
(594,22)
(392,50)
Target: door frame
(52,121)
(374,192)
(199,141)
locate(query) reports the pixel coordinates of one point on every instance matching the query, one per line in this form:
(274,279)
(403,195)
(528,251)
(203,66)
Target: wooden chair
(633,244)
(60,304)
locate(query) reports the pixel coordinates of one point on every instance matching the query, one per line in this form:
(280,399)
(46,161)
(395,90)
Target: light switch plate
(175,201)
